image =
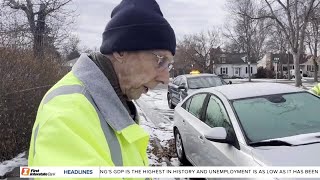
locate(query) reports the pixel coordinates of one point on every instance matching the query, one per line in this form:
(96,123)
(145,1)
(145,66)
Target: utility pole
(276,60)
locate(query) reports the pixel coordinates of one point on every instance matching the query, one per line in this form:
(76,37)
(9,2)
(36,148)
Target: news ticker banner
(176,172)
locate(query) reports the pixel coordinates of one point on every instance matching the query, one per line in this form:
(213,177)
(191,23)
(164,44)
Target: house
(306,63)
(233,65)
(308,66)
(220,63)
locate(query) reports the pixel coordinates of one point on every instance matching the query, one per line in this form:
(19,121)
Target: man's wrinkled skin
(139,71)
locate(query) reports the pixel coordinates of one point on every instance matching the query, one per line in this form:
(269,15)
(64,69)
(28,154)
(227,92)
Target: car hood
(190,91)
(303,155)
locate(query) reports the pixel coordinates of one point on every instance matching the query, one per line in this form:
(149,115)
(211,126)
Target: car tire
(179,147)
(171,106)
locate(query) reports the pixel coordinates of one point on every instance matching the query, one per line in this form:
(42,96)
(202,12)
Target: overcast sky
(185,16)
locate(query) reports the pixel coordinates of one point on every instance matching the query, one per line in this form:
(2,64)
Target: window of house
(250,70)
(310,68)
(195,107)
(224,70)
(284,68)
(223,60)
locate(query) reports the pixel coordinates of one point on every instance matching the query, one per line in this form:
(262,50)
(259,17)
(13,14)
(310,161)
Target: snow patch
(9,165)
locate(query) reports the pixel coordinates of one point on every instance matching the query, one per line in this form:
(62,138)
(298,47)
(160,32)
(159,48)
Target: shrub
(24,81)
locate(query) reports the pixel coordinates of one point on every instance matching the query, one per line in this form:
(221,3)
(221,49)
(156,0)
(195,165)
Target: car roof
(197,75)
(247,90)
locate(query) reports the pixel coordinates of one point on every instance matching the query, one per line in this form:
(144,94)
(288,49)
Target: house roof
(310,60)
(233,58)
(283,58)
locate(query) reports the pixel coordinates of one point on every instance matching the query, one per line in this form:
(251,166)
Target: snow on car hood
(302,155)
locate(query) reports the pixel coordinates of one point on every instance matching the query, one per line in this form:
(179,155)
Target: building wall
(264,61)
(233,68)
(309,67)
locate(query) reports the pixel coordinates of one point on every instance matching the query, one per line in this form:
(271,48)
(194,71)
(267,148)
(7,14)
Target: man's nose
(163,76)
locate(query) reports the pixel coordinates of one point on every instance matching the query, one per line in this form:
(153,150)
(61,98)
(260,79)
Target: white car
(253,124)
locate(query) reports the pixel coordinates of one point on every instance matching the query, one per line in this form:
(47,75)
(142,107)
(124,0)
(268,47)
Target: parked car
(251,124)
(223,76)
(292,73)
(183,85)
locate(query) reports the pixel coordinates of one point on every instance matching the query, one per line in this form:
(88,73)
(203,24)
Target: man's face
(141,71)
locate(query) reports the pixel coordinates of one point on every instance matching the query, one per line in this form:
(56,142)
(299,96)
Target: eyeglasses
(164,62)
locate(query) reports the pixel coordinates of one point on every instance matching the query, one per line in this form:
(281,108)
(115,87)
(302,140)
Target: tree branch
(15,5)
(50,10)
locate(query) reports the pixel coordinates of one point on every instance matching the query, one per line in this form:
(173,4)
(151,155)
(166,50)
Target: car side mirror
(216,134)
(182,86)
(219,134)
(230,82)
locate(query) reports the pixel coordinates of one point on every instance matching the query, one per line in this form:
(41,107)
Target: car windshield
(204,82)
(277,116)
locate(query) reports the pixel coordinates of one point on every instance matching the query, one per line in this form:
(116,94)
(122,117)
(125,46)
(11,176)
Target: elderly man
(88,118)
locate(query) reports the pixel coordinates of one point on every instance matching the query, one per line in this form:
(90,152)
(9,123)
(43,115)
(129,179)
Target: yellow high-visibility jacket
(316,89)
(82,122)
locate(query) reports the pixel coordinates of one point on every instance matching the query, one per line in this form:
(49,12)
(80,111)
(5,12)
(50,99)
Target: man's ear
(120,56)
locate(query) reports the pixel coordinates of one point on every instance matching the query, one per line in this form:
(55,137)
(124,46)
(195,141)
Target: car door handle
(201,139)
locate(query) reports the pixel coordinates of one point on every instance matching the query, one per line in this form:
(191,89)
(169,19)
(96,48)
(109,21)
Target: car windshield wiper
(270,143)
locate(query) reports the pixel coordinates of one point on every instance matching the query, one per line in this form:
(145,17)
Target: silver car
(253,124)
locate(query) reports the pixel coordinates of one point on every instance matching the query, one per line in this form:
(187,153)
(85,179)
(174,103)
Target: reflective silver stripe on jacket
(34,139)
(109,133)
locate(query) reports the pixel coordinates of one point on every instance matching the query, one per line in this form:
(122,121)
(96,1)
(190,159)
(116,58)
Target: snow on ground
(161,139)
(156,118)
(266,80)
(7,166)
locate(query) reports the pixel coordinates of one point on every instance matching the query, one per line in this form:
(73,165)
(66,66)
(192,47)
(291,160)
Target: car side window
(177,81)
(216,115)
(196,104)
(183,81)
(186,104)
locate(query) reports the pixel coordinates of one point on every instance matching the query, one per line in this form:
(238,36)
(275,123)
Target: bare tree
(277,42)
(13,32)
(70,48)
(292,16)
(198,47)
(43,18)
(312,40)
(246,35)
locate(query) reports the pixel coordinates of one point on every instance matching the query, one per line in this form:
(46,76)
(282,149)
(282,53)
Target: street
(157,119)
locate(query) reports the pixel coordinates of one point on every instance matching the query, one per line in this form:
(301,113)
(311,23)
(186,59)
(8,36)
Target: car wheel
(171,106)
(179,147)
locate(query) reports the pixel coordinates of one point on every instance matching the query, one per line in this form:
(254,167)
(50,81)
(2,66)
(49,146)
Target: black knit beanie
(137,25)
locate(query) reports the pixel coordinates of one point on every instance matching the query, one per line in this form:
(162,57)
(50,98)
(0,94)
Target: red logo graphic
(25,171)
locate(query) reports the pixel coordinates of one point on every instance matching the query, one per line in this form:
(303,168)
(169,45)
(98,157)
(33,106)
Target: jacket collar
(102,93)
